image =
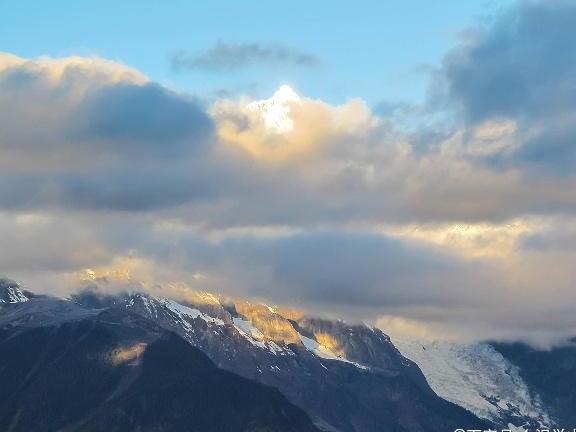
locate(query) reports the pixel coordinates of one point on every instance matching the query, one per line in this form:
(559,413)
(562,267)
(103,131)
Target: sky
(359,46)
(408,166)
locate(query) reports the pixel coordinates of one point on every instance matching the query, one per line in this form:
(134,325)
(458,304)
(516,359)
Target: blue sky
(376,50)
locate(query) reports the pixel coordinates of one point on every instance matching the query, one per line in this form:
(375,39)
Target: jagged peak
(10,292)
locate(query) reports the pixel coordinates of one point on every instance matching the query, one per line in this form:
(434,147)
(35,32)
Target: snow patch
(474,376)
(256,338)
(324,352)
(247,329)
(185,311)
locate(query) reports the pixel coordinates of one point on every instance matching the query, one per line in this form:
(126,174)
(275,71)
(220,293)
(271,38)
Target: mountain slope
(118,372)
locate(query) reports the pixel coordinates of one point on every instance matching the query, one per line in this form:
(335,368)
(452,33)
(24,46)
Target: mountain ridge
(316,363)
(348,378)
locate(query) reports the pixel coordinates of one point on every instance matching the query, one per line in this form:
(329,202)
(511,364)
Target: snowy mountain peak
(10,292)
(275,111)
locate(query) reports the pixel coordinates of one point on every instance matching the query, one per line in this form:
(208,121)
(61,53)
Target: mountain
(549,373)
(347,378)
(116,371)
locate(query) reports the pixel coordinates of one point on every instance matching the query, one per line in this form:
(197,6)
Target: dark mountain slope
(102,374)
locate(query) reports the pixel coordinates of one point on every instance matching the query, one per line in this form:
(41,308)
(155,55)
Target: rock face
(120,372)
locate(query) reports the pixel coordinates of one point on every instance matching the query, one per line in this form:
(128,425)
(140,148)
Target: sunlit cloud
(287,126)
(476,240)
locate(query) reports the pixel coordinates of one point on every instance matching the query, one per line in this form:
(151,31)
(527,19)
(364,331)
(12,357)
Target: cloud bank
(462,227)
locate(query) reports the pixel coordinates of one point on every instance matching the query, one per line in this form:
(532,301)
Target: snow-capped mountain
(347,378)
(113,371)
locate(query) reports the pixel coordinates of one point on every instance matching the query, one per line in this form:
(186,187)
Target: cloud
(39,243)
(87,109)
(85,72)
(282,129)
(521,65)
(230,56)
(37,100)
(138,115)
(354,269)
(554,238)
(331,207)
(111,141)
(522,69)
(93,134)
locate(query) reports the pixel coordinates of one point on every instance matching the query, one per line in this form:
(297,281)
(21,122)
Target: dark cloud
(140,189)
(87,134)
(353,269)
(522,68)
(553,147)
(228,56)
(131,188)
(142,117)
